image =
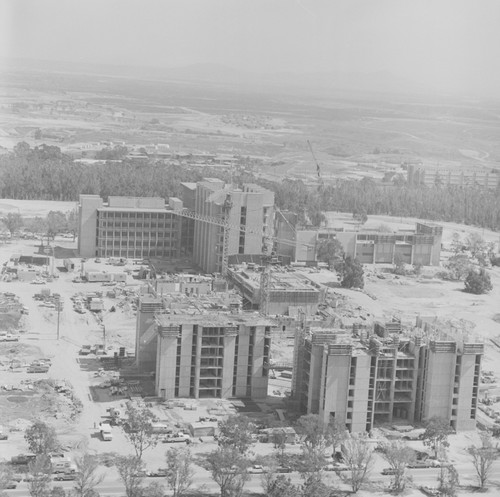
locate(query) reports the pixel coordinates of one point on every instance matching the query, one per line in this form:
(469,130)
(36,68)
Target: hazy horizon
(446,46)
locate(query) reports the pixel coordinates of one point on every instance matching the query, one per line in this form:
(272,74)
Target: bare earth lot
(405,297)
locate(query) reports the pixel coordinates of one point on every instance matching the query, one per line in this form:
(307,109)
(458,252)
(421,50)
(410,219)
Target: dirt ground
(405,297)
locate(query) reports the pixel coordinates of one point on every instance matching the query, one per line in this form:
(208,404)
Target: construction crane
(318,169)
(268,257)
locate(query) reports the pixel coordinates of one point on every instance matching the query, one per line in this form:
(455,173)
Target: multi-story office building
(128,227)
(367,381)
(251,207)
(477,177)
(422,246)
(212,355)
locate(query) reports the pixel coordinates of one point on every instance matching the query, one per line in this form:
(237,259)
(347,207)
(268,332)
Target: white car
(256,469)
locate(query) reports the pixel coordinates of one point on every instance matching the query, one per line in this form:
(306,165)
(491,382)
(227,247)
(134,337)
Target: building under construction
(385,375)
(212,355)
(288,290)
(185,295)
(419,246)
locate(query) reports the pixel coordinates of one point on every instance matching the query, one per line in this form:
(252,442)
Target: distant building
(252,207)
(388,377)
(128,227)
(422,246)
(473,177)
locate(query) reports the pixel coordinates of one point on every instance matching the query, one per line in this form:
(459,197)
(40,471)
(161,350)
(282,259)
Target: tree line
(230,463)
(45,173)
(466,205)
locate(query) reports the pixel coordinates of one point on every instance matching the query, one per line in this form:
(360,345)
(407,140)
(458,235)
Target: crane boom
(318,169)
(222,222)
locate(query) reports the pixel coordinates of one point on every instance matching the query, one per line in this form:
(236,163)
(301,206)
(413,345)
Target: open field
(353,135)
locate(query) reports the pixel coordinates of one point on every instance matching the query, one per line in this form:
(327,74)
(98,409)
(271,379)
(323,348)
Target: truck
(106,434)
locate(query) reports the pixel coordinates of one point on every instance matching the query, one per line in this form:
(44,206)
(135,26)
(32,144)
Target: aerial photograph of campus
(249,248)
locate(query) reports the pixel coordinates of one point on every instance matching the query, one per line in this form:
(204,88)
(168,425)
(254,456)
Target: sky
(434,44)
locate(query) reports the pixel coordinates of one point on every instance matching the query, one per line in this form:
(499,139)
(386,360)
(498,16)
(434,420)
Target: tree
(278,438)
(13,221)
(399,456)
(477,247)
(457,245)
(313,485)
(129,468)
(360,216)
(40,471)
(179,471)
(72,222)
(276,485)
(41,438)
(436,434)
(459,266)
(56,223)
(478,282)
(57,492)
(154,489)
(138,428)
(358,457)
(236,432)
(351,273)
(86,477)
(317,436)
(330,250)
(5,477)
(229,470)
(483,458)
(399,265)
(448,481)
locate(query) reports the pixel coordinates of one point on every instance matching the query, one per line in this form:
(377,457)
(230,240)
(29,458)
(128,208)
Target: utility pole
(59,308)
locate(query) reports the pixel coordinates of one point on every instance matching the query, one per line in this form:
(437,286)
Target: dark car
(10,486)
(389,471)
(283,469)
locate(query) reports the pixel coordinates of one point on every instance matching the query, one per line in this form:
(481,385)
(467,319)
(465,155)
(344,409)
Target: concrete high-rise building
(371,380)
(251,206)
(212,355)
(128,227)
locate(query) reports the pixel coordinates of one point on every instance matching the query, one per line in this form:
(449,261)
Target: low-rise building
(288,290)
(419,246)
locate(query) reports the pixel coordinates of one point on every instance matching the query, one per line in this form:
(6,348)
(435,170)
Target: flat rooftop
(281,279)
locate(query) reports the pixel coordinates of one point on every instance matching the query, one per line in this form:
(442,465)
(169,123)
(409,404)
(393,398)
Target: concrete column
(197,363)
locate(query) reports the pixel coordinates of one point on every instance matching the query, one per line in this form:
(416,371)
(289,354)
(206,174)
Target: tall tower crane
(318,169)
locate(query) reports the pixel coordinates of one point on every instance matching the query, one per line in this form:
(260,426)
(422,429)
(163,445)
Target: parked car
(283,469)
(4,436)
(389,471)
(65,477)
(256,469)
(159,473)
